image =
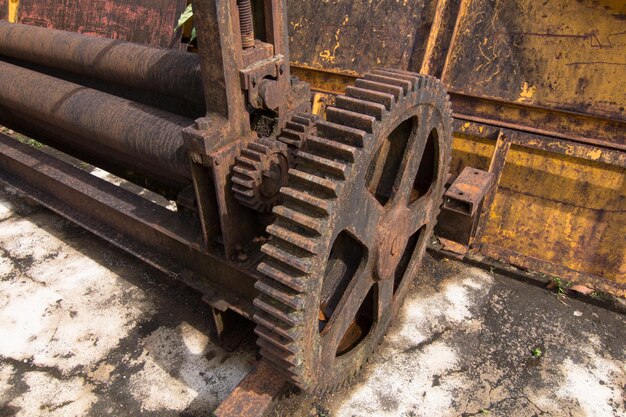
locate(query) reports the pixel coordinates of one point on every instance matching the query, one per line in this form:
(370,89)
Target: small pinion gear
(259,172)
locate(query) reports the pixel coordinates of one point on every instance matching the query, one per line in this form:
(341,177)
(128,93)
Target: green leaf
(184,17)
(193,34)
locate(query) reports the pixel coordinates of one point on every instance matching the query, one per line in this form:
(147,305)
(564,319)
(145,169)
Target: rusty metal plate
(149,22)
(557,54)
(359,35)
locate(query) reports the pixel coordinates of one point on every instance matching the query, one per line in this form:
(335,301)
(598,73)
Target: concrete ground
(87,330)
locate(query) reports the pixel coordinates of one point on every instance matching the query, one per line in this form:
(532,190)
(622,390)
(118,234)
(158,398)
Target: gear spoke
(428,119)
(347,309)
(368,212)
(419,213)
(384,299)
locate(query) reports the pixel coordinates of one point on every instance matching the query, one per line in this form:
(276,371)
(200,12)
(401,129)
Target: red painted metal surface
(149,22)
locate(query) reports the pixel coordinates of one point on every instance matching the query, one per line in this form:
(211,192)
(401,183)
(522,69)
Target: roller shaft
(169,72)
(104,123)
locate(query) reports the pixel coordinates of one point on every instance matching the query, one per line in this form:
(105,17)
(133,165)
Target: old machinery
(355,220)
(311,227)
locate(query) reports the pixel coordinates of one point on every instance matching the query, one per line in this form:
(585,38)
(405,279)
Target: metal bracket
(266,82)
(462,204)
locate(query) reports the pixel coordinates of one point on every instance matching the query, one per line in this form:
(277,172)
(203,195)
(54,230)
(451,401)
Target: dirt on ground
(86,329)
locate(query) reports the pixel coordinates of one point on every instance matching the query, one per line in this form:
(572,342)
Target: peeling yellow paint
(13,7)
(527,92)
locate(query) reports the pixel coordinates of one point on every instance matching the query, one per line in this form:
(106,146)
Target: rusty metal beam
(168,241)
(169,72)
(255,394)
(151,136)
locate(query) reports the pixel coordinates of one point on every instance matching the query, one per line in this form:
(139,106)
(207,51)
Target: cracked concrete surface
(87,330)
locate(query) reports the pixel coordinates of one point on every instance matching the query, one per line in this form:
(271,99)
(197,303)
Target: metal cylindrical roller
(165,71)
(108,124)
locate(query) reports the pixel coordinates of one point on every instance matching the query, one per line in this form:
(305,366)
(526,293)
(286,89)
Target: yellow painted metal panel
(562,54)
(13,7)
(568,211)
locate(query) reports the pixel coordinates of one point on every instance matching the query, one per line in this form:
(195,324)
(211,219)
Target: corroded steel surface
(557,54)
(358,211)
(359,35)
(169,72)
(148,22)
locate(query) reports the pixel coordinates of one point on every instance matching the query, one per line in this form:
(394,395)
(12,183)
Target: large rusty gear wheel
(354,224)
(259,172)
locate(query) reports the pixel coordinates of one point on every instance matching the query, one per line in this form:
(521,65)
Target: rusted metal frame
(217,139)
(439,38)
(595,130)
(208,211)
(602,154)
(239,225)
(582,128)
(164,71)
(219,47)
(148,231)
(276,26)
(496,167)
(255,394)
(533,264)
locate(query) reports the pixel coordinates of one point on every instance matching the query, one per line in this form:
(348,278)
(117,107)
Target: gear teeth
(312,224)
(287,279)
(264,304)
(284,369)
(328,166)
(285,365)
(290,300)
(360,106)
(414,79)
(244,181)
(247,174)
(242,192)
(304,243)
(340,133)
(313,182)
(395,90)
(351,118)
(287,358)
(306,200)
(246,162)
(385,99)
(406,85)
(270,322)
(280,254)
(296,130)
(331,147)
(276,340)
(252,154)
(306,119)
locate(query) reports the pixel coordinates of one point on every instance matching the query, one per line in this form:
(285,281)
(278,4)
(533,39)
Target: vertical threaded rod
(245,23)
